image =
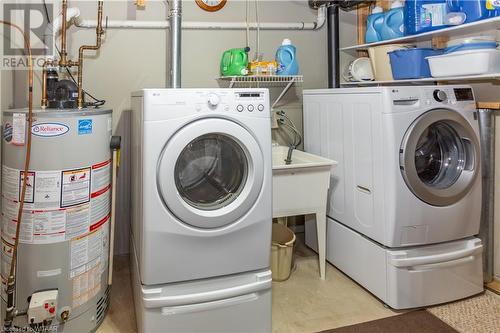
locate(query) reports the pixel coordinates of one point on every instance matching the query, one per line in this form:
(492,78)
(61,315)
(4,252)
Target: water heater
(63,254)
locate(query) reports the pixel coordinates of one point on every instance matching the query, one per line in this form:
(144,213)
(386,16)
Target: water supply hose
(11,281)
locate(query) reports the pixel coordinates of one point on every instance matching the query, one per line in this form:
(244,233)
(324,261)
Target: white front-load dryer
(201,184)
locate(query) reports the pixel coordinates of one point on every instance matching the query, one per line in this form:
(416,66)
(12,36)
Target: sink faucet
(290,128)
(288,159)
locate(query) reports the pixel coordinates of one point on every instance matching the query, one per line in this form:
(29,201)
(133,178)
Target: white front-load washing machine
(201,209)
(409,176)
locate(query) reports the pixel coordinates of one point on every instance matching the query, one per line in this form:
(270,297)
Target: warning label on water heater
(88,257)
(75,187)
(59,205)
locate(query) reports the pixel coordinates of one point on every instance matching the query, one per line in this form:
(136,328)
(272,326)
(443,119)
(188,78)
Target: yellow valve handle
(140,3)
(118,154)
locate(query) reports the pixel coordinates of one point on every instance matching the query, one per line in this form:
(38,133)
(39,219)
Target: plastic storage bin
(380,60)
(411,63)
(469,62)
(283,240)
(472,46)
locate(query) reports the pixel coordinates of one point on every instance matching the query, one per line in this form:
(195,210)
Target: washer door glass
(211,171)
(439,157)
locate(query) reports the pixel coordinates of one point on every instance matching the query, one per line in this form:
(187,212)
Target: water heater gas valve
(42,308)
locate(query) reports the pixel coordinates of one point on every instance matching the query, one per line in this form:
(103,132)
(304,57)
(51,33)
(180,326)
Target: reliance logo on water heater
(49,129)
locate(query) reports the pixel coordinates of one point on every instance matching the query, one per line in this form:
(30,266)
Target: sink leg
(283,221)
(321,233)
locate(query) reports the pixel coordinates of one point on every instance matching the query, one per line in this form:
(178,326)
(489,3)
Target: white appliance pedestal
(238,303)
(405,277)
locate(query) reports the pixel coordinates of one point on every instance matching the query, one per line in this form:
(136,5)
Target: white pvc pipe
(193,25)
(54,28)
(71,13)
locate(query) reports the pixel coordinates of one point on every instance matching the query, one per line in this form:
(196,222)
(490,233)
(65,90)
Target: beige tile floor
(304,303)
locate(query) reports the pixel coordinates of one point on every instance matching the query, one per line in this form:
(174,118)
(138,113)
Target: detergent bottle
(374,24)
(394,23)
(234,62)
(426,15)
(287,59)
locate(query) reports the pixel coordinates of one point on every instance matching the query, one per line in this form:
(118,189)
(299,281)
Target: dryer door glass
(439,157)
(211,171)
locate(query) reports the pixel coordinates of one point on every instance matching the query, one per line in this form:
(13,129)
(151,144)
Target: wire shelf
(261,81)
(267,80)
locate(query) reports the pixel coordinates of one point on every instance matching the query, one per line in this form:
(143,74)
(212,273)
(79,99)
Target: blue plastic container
(476,10)
(411,63)
(374,24)
(394,22)
(287,59)
(471,46)
(427,15)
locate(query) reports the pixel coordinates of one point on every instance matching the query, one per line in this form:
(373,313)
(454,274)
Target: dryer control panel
(172,103)
(250,101)
(244,101)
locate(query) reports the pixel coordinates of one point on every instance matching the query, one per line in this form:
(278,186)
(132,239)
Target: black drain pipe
(333,46)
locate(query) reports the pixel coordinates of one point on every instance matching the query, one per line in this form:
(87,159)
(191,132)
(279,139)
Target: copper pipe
(99,32)
(63,62)
(11,281)
(44,101)
(47,63)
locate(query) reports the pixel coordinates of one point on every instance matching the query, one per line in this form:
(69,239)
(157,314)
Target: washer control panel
(431,96)
(440,95)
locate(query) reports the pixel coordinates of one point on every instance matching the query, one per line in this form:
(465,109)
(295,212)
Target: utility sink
(301,185)
(300,159)
(301,188)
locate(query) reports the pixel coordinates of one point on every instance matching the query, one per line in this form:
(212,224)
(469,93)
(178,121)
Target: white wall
(6,83)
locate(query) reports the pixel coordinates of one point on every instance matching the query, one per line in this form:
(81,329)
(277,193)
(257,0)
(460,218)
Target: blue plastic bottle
(374,24)
(287,59)
(394,23)
(427,15)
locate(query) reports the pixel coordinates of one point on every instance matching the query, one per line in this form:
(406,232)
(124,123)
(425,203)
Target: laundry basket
(283,240)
